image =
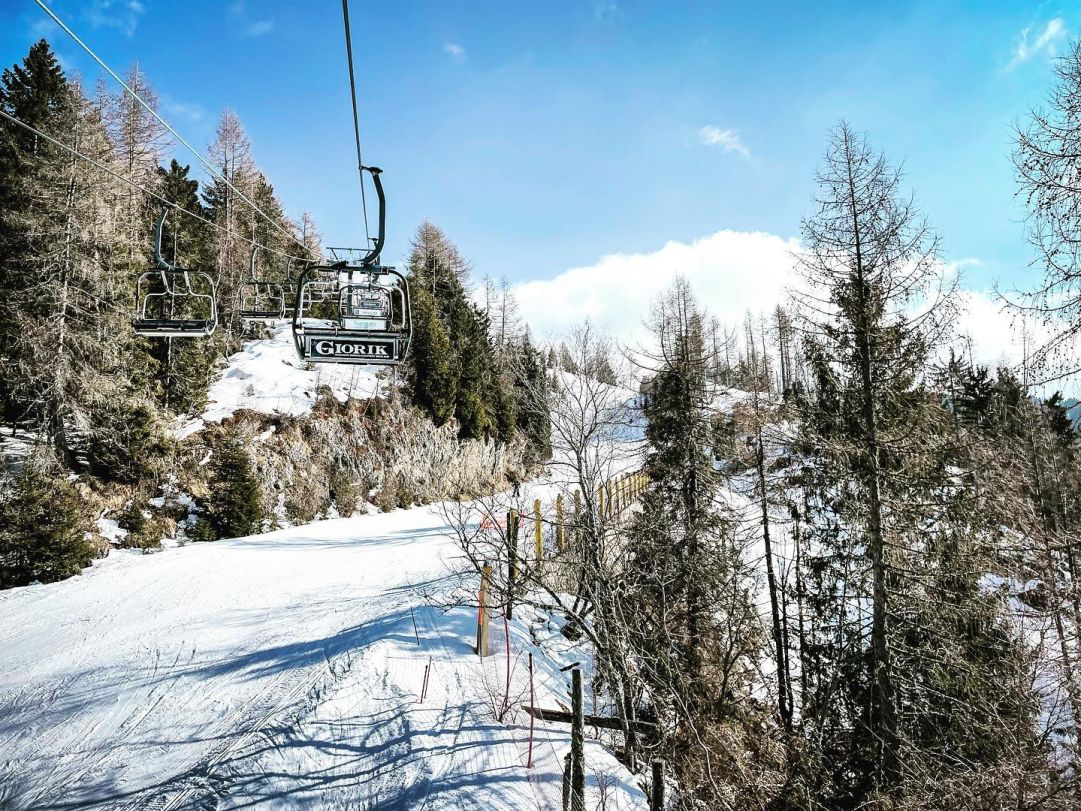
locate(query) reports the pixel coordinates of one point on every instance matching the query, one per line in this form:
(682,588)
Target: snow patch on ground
(111,531)
(267,376)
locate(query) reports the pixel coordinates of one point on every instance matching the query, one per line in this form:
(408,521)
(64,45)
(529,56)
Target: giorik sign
(352,350)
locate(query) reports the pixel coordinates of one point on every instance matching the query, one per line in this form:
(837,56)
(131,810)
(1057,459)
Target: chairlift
(370,322)
(259,299)
(174,302)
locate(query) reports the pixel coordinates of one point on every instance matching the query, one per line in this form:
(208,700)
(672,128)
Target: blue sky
(543,136)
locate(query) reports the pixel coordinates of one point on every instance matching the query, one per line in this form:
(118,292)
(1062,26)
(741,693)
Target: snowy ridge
(267,376)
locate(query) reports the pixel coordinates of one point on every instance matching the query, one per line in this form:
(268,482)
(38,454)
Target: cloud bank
(731,273)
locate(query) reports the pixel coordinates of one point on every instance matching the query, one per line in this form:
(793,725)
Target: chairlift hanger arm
(159,260)
(373,255)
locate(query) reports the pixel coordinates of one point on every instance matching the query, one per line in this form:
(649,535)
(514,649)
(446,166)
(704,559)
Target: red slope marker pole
(532,703)
(506,693)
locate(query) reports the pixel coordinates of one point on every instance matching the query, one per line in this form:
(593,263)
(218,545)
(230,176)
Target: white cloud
(1045,42)
(120,14)
(190,111)
(728,140)
(730,271)
(455,51)
(259,28)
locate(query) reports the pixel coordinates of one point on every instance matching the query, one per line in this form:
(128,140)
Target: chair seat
(172,328)
(261,314)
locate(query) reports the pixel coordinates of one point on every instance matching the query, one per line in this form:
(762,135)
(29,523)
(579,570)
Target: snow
(276,671)
(111,531)
(267,376)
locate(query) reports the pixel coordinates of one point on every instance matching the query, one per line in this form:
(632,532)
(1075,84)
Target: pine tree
(235,502)
(432,384)
(37,93)
(452,355)
(184,368)
(531,388)
(691,620)
(43,530)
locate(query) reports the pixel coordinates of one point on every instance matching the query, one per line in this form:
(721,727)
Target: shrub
(345,493)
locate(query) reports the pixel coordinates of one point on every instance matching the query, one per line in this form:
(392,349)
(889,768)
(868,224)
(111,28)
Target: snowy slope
(277,671)
(268,377)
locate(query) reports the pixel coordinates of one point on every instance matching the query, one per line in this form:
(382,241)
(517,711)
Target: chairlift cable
(135,185)
(356,119)
(206,163)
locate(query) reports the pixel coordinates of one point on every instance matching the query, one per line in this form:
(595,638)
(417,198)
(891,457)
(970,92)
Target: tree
(1047,159)
(869,258)
(37,93)
(43,530)
(452,354)
(235,502)
(692,623)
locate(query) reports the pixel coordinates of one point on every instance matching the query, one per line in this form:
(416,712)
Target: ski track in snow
(276,671)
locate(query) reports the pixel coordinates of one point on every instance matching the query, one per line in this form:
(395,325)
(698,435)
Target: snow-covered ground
(268,377)
(276,671)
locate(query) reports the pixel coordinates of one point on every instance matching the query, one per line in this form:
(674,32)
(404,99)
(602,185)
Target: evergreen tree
(531,389)
(184,368)
(451,351)
(432,384)
(43,529)
(691,619)
(235,503)
(37,93)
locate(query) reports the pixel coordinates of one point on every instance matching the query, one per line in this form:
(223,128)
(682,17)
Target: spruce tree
(184,368)
(235,502)
(691,620)
(43,530)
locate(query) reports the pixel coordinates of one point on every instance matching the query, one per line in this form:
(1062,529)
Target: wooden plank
(599,721)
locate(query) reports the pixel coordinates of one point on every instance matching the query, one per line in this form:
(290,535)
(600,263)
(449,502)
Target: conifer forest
(455,519)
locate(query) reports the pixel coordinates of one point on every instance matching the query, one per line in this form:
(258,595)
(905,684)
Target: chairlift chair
(371,322)
(174,302)
(260,299)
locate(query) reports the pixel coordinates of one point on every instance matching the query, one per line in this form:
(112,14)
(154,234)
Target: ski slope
(276,671)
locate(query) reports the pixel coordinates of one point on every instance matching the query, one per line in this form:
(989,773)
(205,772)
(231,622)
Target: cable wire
(143,189)
(356,118)
(206,163)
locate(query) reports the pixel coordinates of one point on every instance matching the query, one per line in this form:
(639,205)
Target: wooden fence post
(538,534)
(656,791)
(512,559)
(578,766)
(559,524)
(482,614)
(568,776)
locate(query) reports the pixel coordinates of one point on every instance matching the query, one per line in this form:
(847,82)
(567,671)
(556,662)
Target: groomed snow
(267,376)
(276,671)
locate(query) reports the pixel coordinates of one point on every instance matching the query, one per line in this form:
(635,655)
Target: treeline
(470,361)
(82,394)
(853,578)
(891,618)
